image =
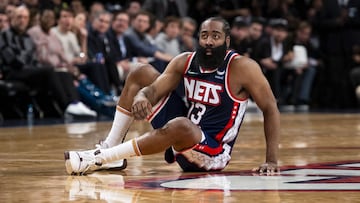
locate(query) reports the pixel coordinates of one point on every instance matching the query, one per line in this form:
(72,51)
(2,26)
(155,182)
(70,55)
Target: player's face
(211,34)
(213,44)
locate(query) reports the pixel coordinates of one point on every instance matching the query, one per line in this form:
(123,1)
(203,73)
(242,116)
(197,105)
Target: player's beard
(213,61)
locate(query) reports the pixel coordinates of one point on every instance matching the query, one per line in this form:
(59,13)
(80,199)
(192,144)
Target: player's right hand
(141,107)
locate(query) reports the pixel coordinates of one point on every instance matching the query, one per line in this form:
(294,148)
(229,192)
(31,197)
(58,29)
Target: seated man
(99,48)
(141,47)
(217,83)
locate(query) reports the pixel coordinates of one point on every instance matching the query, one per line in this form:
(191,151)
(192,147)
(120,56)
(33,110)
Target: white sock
(122,151)
(121,123)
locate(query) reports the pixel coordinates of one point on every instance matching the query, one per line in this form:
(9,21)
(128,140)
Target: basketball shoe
(82,162)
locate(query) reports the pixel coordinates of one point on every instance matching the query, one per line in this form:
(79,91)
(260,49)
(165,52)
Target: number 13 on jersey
(197,110)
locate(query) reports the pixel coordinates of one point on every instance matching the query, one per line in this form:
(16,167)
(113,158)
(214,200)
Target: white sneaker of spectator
(79,109)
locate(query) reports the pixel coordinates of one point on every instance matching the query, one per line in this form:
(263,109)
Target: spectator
(270,53)
(49,50)
(96,72)
(186,37)
(4,21)
(141,46)
(33,6)
(20,64)
(229,10)
(67,38)
(95,8)
(300,71)
(133,7)
(79,29)
(167,41)
(163,8)
(77,6)
(9,10)
(55,5)
(255,35)
(99,48)
(154,29)
(120,48)
(239,34)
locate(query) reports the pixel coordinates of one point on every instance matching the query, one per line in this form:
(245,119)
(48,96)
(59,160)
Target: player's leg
(138,78)
(180,133)
(208,155)
(141,76)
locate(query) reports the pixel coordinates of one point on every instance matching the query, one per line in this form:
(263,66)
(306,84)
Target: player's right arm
(162,86)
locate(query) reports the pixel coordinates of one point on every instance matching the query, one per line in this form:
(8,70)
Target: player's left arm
(246,74)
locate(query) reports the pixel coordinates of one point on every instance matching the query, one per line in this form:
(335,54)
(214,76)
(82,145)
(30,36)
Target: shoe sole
(113,166)
(109,167)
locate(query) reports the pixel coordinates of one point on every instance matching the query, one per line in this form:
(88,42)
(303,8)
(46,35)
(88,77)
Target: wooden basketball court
(319,157)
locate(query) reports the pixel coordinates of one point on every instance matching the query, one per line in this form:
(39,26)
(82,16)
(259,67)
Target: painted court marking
(312,177)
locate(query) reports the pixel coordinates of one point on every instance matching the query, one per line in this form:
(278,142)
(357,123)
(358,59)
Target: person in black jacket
(300,70)
(119,44)
(269,52)
(99,48)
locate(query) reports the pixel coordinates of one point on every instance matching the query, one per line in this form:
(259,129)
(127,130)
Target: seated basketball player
(200,136)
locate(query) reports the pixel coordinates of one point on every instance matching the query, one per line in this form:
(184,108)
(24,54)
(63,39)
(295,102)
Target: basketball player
(217,85)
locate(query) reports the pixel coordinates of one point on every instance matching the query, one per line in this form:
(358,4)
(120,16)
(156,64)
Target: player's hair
(226,26)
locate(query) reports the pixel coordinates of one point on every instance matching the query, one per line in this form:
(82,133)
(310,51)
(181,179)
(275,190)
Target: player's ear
(227,41)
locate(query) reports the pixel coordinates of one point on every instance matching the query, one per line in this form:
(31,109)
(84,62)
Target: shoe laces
(98,159)
(101,145)
(89,160)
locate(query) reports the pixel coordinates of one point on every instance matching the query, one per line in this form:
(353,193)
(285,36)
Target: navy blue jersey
(212,106)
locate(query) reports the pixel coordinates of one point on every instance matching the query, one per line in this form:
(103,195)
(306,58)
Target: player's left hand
(268,168)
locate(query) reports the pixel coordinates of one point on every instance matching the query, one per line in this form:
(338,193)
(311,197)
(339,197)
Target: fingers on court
(266,169)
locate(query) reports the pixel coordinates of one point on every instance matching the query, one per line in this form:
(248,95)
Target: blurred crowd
(77,54)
